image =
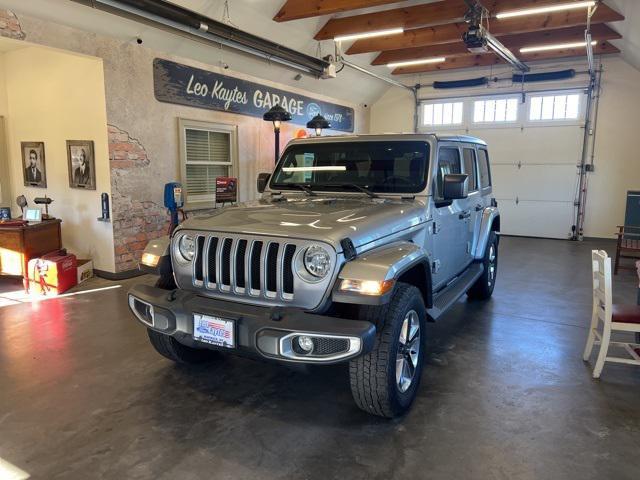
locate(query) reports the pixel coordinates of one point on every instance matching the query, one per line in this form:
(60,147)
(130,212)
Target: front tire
(385,381)
(166,282)
(170,348)
(483,288)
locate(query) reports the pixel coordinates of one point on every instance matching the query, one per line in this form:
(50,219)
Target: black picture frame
(79,177)
(34,174)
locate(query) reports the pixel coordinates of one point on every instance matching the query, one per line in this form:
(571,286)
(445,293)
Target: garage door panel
(534,182)
(505,181)
(536,219)
(533,145)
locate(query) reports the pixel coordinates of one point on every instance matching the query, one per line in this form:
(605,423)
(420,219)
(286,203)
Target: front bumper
(262,331)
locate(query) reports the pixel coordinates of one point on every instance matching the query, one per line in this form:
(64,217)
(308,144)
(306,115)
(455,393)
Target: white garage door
(534,147)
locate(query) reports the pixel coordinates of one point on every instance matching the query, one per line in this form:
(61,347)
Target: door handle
(479,207)
(465,214)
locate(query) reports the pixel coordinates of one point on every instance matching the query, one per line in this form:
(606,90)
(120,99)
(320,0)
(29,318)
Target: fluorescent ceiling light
(558,46)
(377,33)
(548,9)
(423,61)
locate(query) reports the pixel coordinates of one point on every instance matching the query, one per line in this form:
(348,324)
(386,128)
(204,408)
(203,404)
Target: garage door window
(483,168)
(470,169)
(436,114)
(208,151)
(495,111)
(555,107)
(448,163)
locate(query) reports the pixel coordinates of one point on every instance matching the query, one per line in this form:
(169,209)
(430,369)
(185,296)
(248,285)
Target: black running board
(444,299)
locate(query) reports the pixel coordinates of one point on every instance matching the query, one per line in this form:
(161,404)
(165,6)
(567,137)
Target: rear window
(470,169)
(483,167)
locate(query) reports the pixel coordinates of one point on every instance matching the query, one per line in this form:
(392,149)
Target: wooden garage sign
(194,87)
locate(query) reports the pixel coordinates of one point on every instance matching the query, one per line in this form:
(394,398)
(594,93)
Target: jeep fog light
(305,343)
(367,287)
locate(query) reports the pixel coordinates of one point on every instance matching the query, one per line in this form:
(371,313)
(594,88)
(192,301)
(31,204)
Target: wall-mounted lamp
(277,115)
(318,123)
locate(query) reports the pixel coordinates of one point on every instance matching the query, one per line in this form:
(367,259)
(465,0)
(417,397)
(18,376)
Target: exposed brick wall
(136,218)
(10,25)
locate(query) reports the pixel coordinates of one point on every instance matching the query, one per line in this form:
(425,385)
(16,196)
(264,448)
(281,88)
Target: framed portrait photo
(82,164)
(34,167)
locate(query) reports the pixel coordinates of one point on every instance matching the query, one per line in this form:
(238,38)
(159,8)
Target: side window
(483,167)
(448,162)
(207,153)
(471,169)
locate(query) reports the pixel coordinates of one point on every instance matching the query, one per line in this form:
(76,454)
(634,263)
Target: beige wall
(617,160)
(617,157)
(393,112)
(53,97)
(5,193)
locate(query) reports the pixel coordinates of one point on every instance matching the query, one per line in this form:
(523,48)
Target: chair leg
(602,354)
(591,338)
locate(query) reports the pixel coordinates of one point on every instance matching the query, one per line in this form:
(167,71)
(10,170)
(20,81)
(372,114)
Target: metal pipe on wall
(178,20)
(390,81)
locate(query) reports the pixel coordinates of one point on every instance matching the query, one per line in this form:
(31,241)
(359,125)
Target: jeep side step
(452,292)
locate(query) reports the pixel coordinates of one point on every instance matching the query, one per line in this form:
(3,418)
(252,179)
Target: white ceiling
(255,16)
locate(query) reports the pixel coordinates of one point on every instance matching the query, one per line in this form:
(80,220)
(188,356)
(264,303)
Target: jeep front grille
(252,269)
(243,266)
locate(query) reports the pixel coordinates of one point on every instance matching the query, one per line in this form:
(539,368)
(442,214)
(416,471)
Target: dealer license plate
(214,330)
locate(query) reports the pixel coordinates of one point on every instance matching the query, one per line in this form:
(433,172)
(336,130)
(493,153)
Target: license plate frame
(214,330)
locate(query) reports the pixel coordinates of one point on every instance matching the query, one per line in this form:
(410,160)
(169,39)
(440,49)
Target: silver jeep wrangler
(356,242)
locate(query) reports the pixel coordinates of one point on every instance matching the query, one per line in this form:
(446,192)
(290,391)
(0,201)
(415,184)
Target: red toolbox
(53,273)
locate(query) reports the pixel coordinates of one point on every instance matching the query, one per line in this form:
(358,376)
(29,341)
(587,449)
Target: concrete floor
(505,395)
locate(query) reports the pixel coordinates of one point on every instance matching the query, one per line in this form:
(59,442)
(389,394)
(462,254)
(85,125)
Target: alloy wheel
(492,265)
(408,351)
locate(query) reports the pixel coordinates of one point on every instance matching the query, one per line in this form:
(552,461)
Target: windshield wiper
(305,188)
(364,190)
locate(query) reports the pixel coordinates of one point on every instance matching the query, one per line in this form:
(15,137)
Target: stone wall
(10,25)
(136,220)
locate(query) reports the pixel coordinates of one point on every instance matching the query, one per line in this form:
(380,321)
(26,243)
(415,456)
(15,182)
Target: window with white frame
(207,153)
(495,110)
(555,107)
(437,114)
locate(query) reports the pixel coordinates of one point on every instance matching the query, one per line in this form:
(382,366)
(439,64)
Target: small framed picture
(35,170)
(81,161)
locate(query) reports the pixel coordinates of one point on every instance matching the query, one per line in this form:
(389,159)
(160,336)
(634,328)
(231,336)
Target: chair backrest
(602,290)
(632,232)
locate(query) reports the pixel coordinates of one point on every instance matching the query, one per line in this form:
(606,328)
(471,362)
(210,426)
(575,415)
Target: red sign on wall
(226,189)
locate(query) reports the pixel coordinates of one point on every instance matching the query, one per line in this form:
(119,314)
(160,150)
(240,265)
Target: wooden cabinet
(20,244)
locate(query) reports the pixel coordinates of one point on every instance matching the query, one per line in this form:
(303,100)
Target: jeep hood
(321,217)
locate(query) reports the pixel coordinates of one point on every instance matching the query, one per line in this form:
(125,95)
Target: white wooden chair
(614,318)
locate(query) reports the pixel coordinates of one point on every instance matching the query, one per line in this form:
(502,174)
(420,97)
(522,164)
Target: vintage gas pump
(173,201)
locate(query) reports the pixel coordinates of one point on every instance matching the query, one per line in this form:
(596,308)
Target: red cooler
(53,273)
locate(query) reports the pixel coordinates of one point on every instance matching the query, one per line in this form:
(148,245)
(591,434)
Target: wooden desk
(18,245)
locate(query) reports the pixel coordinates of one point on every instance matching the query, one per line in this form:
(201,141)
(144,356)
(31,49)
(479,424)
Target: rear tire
(483,288)
(170,348)
(378,382)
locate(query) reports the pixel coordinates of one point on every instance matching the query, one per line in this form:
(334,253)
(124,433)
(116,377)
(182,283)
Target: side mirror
(455,186)
(263,179)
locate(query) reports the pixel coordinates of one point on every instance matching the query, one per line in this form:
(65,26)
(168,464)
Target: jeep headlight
(317,261)
(187,247)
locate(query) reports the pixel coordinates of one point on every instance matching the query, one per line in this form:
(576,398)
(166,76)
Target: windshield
(382,167)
